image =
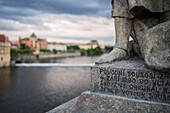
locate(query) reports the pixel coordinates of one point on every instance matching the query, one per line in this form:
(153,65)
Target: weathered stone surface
(129,8)
(148,23)
(64,106)
(115,54)
(90,102)
(155,46)
(130,78)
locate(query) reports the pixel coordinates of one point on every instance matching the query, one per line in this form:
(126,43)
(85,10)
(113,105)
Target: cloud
(65,26)
(75,7)
(57,19)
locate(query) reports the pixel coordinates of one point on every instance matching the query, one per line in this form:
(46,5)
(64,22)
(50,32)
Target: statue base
(123,86)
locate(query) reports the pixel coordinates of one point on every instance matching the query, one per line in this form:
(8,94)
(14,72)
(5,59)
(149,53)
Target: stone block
(90,102)
(130,78)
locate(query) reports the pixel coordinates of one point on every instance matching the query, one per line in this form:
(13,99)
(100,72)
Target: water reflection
(39,89)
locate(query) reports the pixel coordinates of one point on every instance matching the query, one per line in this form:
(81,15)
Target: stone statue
(148,23)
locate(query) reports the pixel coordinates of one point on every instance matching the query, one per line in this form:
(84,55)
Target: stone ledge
(64,106)
(90,102)
(132,63)
(124,98)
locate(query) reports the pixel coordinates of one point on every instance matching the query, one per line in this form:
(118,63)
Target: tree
(92,52)
(25,49)
(54,51)
(45,50)
(97,51)
(82,51)
(74,47)
(108,49)
(14,53)
(24,46)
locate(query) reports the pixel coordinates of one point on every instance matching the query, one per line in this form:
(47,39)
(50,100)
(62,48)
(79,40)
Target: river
(40,89)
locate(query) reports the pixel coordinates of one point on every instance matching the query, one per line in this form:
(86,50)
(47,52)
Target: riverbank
(32,58)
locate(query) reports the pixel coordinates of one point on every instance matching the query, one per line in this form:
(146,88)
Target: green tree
(97,51)
(75,47)
(54,51)
(45,50)
(92,52)
(24,46)
(25,49)
(108,49)
(14,53)
(82,51)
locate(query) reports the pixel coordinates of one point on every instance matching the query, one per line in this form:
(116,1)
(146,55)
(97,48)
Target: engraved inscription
(138,84)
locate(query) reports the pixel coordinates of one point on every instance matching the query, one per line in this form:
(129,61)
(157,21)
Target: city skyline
(59,20)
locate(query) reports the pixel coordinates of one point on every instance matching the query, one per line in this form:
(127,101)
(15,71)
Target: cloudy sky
(58,20)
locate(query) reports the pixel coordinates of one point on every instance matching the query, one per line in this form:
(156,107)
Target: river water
(40,89)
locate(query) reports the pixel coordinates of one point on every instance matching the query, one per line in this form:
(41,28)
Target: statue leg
(123,28)
(157,53)
(154,42)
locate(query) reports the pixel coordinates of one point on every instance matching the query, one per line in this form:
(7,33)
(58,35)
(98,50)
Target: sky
(58,20)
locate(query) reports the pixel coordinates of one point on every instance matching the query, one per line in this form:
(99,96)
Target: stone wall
(5,54)
(46,56)
(59,55)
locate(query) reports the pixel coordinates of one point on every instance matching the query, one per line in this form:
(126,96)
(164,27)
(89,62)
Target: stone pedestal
(130,78)
(125,86)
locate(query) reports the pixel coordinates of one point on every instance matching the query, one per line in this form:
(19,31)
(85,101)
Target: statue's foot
(115,54)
